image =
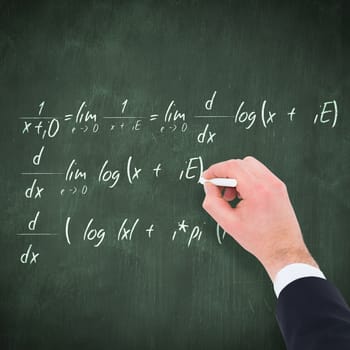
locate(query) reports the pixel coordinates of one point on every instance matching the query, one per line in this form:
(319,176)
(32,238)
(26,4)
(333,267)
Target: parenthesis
(263,113)
(201,166)
(128,169)
(218,233)
(335,113)
(67,229)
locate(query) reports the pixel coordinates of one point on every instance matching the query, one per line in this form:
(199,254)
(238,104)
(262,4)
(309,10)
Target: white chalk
(219,181)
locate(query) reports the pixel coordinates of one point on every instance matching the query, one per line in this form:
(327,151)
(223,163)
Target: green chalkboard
(109,112)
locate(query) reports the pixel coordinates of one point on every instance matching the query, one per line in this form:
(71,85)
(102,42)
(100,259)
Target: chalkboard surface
(110,111)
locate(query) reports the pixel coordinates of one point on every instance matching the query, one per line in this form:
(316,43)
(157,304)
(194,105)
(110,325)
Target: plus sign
(157,169)
(150,230)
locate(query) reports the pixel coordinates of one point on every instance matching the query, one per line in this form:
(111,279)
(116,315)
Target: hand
(263,222)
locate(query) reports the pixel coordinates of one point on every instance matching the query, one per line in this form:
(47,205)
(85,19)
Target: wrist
(283,257)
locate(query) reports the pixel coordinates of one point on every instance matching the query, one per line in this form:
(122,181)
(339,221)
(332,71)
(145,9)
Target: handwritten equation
(172,119)
(109,173)
(76,179)
(95,234)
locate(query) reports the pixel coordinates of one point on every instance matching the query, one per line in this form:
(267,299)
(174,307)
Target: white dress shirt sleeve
(293,272)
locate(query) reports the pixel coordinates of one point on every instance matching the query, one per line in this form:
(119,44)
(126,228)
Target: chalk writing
(77,175)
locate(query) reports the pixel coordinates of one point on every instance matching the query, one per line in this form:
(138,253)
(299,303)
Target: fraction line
(36,234)
(213,116)
(42,173)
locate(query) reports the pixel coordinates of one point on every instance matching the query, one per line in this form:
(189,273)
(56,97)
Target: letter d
(201,135)
(209,103)
(37,157)
(29,191)
(24,256)
(32,223)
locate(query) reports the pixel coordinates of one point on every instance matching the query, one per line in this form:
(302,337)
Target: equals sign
(68,117)
(153,117)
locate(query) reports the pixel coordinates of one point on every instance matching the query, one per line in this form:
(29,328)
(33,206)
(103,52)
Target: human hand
(263,222)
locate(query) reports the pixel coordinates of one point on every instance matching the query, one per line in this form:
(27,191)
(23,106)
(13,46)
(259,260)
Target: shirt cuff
(293,272)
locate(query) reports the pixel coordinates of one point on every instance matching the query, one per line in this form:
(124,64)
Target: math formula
(78,179)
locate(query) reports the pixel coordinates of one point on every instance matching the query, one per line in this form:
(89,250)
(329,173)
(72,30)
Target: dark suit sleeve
(312,315)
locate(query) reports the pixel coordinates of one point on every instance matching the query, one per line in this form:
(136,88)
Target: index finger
(234,169)
(258,169)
